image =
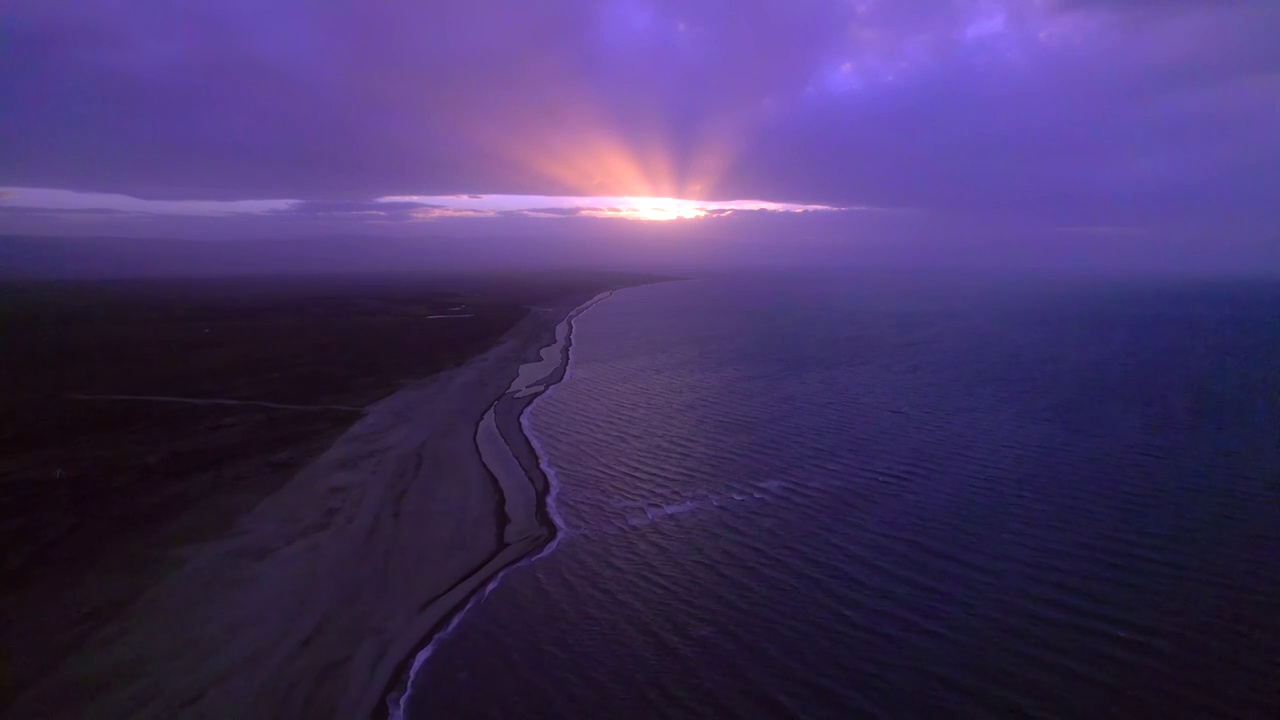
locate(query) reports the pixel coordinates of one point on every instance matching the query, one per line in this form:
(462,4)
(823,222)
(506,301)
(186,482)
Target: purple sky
(1052,129)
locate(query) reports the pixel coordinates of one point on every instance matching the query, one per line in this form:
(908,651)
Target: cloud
(1088,113)
(64,212)
(554,211)
(72,201)
(635,208)
(354,210)
(1146,6)
(390,209)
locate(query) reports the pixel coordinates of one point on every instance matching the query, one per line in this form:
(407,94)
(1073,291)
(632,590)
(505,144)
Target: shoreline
(329,587)
(539,480)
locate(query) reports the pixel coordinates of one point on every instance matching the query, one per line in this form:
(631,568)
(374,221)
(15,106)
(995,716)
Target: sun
(672,211)
(654,209)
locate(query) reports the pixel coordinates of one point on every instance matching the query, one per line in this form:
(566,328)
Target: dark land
(99,495)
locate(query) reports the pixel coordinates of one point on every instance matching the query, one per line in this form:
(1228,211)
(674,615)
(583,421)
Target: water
(868,497)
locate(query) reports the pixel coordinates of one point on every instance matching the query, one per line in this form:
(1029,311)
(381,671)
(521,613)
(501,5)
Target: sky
(1041,131)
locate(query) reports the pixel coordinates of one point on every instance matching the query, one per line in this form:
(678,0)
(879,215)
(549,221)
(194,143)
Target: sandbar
(316,603)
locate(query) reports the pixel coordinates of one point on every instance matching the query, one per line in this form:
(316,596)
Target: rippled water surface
(856,497)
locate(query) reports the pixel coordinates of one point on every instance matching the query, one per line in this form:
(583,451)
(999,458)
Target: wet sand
(315,605)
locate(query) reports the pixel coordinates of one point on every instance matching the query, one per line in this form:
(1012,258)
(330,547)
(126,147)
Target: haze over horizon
(1138,136)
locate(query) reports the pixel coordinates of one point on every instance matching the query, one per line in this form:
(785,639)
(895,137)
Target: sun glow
(595,164)
(592,164)
(650,208)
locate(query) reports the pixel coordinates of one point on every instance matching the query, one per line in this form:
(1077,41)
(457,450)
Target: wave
(399,702)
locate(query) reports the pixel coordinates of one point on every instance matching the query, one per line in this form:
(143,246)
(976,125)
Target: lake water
(861,496)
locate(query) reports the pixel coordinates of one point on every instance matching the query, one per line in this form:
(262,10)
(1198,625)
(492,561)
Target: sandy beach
(315,605)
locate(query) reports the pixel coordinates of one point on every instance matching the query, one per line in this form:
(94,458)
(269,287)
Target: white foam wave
(656,510)
(397,706)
